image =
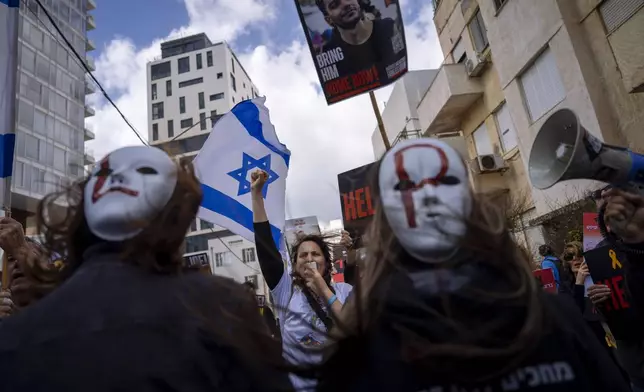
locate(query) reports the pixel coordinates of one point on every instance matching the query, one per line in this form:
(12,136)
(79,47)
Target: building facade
(190,87)
(51,108)
(509,64)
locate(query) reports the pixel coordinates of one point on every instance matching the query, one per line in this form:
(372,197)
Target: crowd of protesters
(442,298)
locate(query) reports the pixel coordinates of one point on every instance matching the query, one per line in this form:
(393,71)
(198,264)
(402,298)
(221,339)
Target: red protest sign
(547,279)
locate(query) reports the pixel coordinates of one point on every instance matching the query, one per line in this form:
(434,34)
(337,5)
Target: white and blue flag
(242,141)
(8,76)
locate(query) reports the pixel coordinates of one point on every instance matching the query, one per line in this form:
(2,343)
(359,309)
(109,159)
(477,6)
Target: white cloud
(324,140)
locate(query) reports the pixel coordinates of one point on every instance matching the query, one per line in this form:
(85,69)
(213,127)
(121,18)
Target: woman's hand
(346,240)
(582,274)
(315,282)
(257,180)
(598,293)
(625,215)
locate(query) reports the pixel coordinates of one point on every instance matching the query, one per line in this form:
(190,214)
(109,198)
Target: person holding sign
(448,301)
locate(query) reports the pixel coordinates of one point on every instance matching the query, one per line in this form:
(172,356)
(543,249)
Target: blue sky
(268,40)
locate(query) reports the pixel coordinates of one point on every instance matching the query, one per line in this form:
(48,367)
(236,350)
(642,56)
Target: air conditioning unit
(475,66)
(489,163)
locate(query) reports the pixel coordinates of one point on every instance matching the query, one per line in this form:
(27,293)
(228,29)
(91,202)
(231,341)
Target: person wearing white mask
(448,301)
(125,317)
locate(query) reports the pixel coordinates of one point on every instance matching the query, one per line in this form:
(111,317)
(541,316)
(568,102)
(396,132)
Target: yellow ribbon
(613,257)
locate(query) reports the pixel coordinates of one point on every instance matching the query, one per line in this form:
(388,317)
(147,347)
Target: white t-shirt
(300,326)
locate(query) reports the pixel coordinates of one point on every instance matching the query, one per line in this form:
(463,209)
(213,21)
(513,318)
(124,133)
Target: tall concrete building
(51,108)
(508,65)
(193,83)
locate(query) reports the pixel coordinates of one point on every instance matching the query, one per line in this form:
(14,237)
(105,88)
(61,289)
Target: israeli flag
(8,77)
(242,141)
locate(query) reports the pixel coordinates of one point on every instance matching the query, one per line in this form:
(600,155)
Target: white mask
(126,190)
(426,196)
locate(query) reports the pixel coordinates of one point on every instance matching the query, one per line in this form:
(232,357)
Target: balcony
(456,141)
(89,134)
(91,5)
(90,63)
(404,135)
(88,159)
(449,96)
(89,111)
(89,45)
(91,23)
(89,86)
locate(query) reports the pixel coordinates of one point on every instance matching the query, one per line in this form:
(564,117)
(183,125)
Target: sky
(267,37)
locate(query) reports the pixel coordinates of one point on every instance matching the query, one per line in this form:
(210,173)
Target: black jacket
(114,327)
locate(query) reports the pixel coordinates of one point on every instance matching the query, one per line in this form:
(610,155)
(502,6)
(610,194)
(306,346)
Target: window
(184,65)
(186,123)
(209,58)
(202,121)
(213,120)
(507,132)
(168,88)
(248,255)
(31,147)
(42,67)
(202,101)
(542,86)
(220,75)
(205,225)
(233,83)
(196,243)
(219,259)
(458,53)
(155,132)
(170,128)
(499,3)
(28,60)
(616,12)
(479,33)
(154,91)
(25,114)
(160,71)
(252,279)
(193,225)
(232,63)
(59,159)
(482,141)
(199,64)
(157,110)
(190,82)
(217,96)
(182,105)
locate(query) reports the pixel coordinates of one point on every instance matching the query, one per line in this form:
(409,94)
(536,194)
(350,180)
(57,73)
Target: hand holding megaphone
(624,215)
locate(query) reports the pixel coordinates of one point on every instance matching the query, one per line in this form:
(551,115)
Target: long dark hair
(321,242)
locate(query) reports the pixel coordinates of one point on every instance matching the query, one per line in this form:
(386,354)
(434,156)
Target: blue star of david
(249,163)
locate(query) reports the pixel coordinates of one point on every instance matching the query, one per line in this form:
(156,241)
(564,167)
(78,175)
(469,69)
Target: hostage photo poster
(357,45)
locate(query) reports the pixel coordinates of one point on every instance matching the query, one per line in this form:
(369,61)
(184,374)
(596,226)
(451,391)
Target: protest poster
(606,267)
(356,201)
(591,232)
(196,261)
(357,45)
(547,279)
(296,228)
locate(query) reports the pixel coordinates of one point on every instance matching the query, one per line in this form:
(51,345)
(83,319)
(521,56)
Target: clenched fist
(257,180)
(12,236)
(624,215)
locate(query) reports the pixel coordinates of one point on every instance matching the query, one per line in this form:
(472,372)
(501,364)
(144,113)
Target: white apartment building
(51,109)
(193,83)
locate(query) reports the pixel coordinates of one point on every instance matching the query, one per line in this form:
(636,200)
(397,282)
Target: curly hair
(365,5)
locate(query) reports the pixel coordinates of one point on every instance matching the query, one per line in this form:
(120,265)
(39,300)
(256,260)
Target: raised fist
(258,179)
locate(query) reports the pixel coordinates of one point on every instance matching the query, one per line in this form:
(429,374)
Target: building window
(199,64)
(482,141)
(202,121)
(505,126)
(542,86)
(616,12)
(499,3)
(217,96)
(213,115)
(186,123)
(248,255)
(196,243)
(157,110)
(154,91)
(159,71)
(252,279)
(184,64)
(479,33)
(233,83)
(155,132)
(190,82)
(220,75)
(220,258)
(168,88)
(205,225)
(209,58)
(193,225)
(170,128)
(232,63)
(458,53)
(202,101)
(182,105)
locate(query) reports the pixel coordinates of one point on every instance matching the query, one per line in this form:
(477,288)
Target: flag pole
(381,125)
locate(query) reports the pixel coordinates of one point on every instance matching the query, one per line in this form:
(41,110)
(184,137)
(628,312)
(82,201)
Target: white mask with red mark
(128,189)
(426,196)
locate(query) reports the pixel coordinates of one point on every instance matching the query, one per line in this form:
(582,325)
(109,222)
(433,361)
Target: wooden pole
(381,125)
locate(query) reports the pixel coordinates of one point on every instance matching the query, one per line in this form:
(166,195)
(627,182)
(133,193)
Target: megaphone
(564,150)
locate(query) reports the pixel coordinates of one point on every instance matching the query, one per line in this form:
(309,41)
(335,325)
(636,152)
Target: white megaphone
(564,150)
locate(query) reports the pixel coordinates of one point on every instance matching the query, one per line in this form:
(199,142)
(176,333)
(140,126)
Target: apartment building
(190,87)
(51,108)
(509,64)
